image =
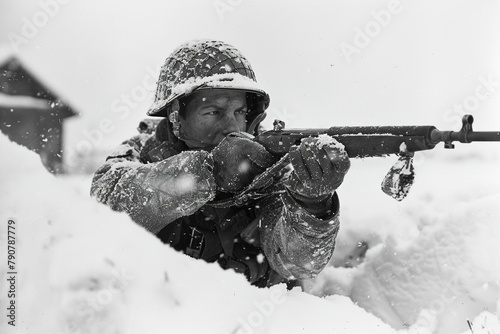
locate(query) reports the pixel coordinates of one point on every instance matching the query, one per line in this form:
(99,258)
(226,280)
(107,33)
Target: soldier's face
(211,115)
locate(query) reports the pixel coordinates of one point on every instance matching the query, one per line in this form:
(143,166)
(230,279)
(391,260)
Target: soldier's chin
(197,145)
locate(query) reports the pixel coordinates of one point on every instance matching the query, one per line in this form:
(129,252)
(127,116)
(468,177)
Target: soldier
(201,184)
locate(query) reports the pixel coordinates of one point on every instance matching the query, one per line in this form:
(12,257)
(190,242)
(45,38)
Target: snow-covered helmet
(206,64)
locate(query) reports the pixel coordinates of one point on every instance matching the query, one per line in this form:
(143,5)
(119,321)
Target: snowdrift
(82,268)
(432,262)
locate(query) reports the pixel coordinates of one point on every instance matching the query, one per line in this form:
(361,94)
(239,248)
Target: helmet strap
(173,117)
(259,118)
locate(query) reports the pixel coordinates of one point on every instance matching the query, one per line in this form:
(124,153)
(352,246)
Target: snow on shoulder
(86,269)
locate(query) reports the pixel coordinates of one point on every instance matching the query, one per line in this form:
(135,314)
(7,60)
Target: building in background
(31,114)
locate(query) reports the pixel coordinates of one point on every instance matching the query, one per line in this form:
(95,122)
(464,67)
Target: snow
(84,268)
(13,101)
(432,262)
(325,139)
(226,80)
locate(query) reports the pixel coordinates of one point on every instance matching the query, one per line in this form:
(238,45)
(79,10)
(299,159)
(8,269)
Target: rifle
(378,141)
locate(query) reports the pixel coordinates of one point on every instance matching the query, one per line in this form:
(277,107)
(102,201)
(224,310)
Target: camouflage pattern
(294,243)
(196,64)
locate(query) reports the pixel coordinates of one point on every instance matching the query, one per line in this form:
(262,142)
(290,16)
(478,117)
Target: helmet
(206,64)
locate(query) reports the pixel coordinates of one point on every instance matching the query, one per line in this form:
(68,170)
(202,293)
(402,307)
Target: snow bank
(433,259)
(82,268)
(431,265)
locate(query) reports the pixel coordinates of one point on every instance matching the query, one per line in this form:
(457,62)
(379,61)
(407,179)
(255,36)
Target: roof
(20,87)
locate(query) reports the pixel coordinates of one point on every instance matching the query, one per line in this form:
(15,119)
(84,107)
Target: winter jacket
(270,239)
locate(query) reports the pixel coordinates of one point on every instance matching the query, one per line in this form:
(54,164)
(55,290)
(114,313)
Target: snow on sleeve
(126,164)
(130,148)
(87,269)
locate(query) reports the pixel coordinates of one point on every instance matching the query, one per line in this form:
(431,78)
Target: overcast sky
(323,63)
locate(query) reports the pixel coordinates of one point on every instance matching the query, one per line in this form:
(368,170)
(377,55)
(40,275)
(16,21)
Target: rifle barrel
(372,141)
(484,136)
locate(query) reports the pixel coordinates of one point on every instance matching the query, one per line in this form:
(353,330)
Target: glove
(238,160)
(181,184)
(319,165)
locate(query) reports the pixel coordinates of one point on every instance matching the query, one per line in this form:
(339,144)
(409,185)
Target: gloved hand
(319,165)
(238,160)
(182,183)
(156,194)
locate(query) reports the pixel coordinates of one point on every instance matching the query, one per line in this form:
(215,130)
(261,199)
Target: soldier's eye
(212,112)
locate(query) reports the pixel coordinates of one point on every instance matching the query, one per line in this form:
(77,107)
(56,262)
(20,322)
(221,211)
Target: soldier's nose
(231,125)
